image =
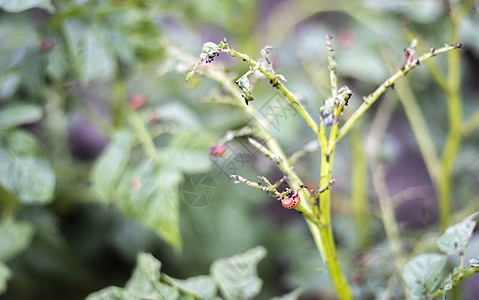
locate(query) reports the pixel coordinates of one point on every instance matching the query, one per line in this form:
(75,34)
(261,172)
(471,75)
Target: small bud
(409,53)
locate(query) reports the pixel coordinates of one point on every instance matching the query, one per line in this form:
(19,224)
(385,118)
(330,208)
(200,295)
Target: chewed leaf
(245,86)
(224,44)
(210,50)
(456,237)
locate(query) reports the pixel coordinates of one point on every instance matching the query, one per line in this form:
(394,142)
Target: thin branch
(274,158)
(332,67)
(371,98)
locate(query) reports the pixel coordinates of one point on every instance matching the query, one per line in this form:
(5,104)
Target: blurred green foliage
(89,179)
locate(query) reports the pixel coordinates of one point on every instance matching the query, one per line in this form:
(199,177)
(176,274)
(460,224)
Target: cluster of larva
(211,57)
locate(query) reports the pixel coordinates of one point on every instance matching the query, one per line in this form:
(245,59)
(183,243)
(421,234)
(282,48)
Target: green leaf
(421,274)
(293,295)
(178,113)
(15,6)
(19,114)
(24,169)
(147,272)
(9,83)
(202,287)
(91,56)
(236,276)
(32,71)
(97,62)
(110,167)
(5,275)
(143,284)
(57,62)
(224,44)
(18,34)
(209,49)
(113,293)
(456,237)
(188,161)
(15,237)
(154,201)
(146,279)
(191,140)
(188,151)
(474,262)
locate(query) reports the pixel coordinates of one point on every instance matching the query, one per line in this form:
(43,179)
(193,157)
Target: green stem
(335,274)
(359,186)
(463,274)
(453,141)
(327,249)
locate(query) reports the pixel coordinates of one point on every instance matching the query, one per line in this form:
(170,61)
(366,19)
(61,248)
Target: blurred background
(88,88)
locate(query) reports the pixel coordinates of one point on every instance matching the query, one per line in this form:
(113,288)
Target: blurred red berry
(218,150)
(136,184)
(346,38)
(137,101)
(45,45)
